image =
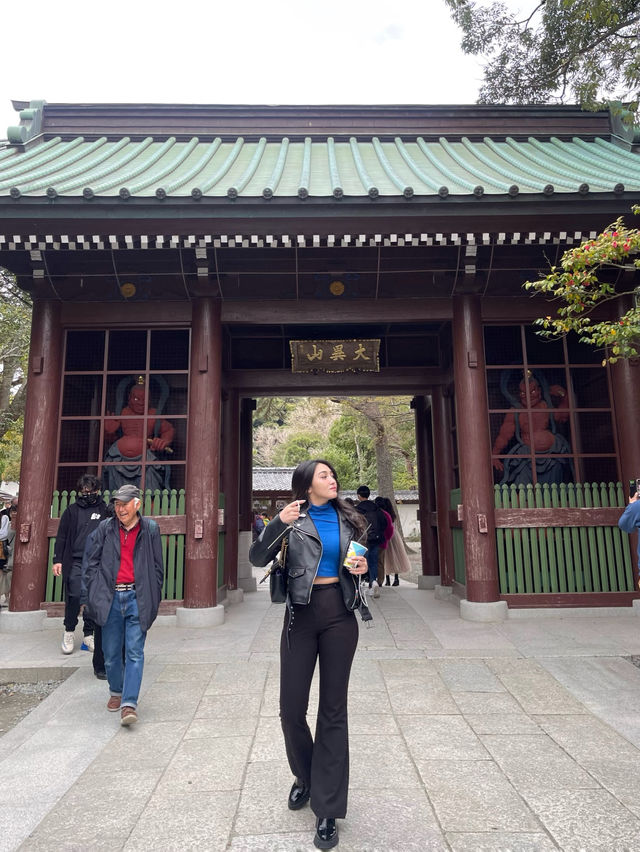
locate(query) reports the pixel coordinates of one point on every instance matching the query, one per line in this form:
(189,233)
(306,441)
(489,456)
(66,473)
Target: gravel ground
(18,699)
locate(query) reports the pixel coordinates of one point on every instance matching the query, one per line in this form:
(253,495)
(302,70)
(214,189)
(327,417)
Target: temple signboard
(335,356)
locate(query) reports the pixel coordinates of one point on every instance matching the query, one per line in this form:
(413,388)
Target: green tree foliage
(299,446)
(10,452)
(583,282)
(368,440)
(15,326)
(350,437)
(563,51)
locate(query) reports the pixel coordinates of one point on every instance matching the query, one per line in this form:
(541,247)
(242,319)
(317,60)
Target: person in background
(376,525)
(77,522)
(259,523)
(6,572)
(4,532)
(384,504)
(319,629)
(396,560)
(630,520)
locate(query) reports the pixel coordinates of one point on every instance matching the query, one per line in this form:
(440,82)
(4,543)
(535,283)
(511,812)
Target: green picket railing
(457,537)
(167,502)
(565,559)
(556,559)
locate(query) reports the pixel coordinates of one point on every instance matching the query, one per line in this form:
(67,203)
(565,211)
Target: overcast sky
(203,51)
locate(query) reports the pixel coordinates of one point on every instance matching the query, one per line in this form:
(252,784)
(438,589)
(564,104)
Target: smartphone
(634,487)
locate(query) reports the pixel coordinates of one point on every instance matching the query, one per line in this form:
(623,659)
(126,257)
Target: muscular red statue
(535,430)
(135,438)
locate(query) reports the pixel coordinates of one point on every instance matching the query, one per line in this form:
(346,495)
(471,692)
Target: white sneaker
(376,590)
(67,642)
(88,643)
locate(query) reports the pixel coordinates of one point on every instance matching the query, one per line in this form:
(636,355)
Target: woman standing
(396,560)
(319,624)
(381,503)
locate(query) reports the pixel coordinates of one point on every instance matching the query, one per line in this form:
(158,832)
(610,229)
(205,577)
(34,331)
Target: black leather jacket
(303,557)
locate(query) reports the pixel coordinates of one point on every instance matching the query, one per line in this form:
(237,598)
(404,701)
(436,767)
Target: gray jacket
(303,558)
(102,562)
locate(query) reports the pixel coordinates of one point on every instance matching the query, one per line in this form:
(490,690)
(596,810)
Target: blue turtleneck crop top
(326,520)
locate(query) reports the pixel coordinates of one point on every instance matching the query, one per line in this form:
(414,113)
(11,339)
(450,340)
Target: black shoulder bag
(278,575)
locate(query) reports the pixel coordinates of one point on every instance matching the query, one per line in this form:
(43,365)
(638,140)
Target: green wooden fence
(565,558)
(457,536)
(167,502)
(535,559)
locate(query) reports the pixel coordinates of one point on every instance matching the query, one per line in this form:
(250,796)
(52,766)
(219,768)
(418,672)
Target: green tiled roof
(195,169)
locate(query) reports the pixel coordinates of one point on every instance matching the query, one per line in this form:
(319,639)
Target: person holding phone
(630,519)
(319,627)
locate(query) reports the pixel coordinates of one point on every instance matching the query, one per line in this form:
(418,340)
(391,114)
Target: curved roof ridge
(170,167)
(162,192)
(555,156)
(441,167)
(198,192)
(43,177)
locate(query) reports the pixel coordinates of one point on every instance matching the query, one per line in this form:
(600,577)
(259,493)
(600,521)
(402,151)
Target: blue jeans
(122,629)
(372,562)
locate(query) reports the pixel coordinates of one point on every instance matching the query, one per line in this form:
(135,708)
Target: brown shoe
(128,716)
(113,703)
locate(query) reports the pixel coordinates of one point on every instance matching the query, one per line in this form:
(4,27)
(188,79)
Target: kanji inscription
(335,356)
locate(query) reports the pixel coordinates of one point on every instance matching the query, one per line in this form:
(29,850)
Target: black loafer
(299,796)
(326,833)
(101,675)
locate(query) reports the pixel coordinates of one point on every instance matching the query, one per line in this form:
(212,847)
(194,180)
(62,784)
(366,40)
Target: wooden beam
(169,525)
(336,311)
(573,599)
(555,517)
(408,381)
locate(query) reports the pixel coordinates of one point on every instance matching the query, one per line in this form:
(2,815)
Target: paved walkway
(517,736)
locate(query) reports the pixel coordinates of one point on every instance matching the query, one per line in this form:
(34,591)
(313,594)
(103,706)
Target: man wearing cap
(123,575)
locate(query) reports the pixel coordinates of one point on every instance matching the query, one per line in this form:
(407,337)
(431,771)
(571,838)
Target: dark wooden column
(424,458)
(230,478)
(443,468)
(625,390)
(247,407)
(203,461)
(37,470)
(474,451)
(625,386)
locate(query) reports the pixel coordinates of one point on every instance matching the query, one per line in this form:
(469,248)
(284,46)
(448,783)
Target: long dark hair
(387,506)
(301,483)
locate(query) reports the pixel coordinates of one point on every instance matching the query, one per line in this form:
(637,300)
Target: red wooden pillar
(474,451)
(203,460)
(625,385)
(37,469)
(443,455)
(424,458)
(247,407)
(625,389)
(230,465)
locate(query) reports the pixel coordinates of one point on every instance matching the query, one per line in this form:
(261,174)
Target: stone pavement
(523,735)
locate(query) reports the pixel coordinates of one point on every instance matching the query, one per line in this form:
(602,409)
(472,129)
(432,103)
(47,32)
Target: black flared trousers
(327,632)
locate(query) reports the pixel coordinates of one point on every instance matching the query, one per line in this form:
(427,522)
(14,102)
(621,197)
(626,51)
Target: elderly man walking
(123,575)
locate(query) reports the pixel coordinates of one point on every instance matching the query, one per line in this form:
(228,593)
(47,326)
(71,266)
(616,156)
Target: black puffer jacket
(303,557)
